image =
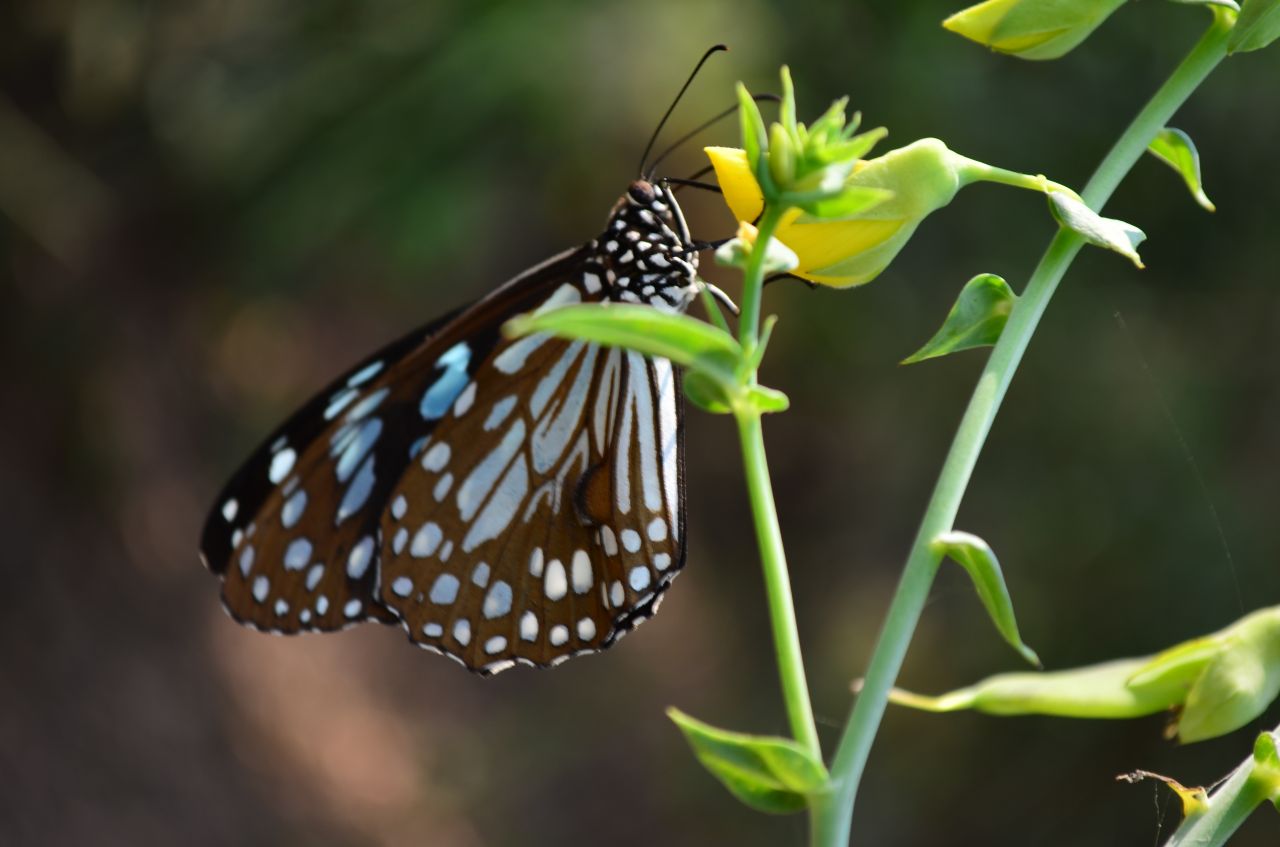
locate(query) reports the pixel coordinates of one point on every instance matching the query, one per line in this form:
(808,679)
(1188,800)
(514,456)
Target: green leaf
(1225,4)
(976,557)
(1266,766)
(767,773)
(1175,148)
(765,399)
(1094,691)
(708,394)
(976,320)
(1257,26)
(680,338)
(754,138)
(1108,233)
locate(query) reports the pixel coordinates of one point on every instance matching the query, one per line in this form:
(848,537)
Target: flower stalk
(834,819)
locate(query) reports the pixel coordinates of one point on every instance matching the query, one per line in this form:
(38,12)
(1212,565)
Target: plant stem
(777,585)
(777,582)
(1229,804)
(835,817)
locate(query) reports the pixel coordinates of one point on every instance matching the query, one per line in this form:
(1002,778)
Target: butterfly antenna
(675,145)
(648,148)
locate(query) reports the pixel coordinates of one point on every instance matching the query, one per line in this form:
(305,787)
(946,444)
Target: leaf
(765,399)
(1225,4)
(1175,148)
(976,557)
(680,338)
(1108,233)
(1093,691)
(1266,765)
(1257,26)
(976,320)
(767,773)
(709,395)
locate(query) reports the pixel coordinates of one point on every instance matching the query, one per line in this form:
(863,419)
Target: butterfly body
(505,500)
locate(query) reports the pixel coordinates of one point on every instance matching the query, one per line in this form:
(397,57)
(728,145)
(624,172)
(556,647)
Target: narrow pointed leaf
(1175,148)
(1225,4)
(976,320)
(769,774)
(765,399)
(1109,233)
(1257,26)
(1094,691)
(680,338)
(976,557)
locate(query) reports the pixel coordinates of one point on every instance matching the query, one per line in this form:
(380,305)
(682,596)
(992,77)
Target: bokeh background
(209,207)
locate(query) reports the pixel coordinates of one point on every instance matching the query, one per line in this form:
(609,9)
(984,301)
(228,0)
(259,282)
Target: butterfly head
(645,251)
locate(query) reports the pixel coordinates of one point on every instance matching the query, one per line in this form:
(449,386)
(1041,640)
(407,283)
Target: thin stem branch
(777,583)
(1229,804)
(833,820)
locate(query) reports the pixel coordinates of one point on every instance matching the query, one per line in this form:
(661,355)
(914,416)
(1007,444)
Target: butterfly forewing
(294,534)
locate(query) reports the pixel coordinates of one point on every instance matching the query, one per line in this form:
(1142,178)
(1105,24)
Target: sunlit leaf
(767,773)
(1225,4)
(1266,765)
(977,558)
(1257,26)
(1175,148)
(976,320)
(1109,233)
(680,338)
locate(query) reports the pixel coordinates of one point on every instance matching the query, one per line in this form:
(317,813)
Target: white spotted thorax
(644,254)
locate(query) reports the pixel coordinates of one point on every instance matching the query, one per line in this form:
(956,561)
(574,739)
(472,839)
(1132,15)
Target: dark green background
(207,208)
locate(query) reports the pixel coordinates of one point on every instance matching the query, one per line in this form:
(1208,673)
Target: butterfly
(504,500)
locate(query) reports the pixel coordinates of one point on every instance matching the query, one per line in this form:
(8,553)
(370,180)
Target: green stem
(777,583)
(753,282)
(835,817)
(1229,805)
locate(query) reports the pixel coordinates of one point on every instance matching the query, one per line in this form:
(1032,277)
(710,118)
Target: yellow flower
(853,250)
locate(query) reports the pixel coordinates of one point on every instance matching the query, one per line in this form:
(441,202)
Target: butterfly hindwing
(545,514)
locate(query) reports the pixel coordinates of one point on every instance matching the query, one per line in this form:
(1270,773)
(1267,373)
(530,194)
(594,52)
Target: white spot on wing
(581,571)
(556,585)
(529,626)
(359,557)
(445,589)
(281,464)
(426,540)
(498,601)
(297,554)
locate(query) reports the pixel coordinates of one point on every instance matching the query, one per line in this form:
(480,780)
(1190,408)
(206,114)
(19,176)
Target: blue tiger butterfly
(506,501)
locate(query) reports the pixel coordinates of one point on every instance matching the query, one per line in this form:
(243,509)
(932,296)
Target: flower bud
(847,250)
(1031,29)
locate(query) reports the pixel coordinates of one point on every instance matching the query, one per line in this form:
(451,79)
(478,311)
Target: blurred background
(210,207)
